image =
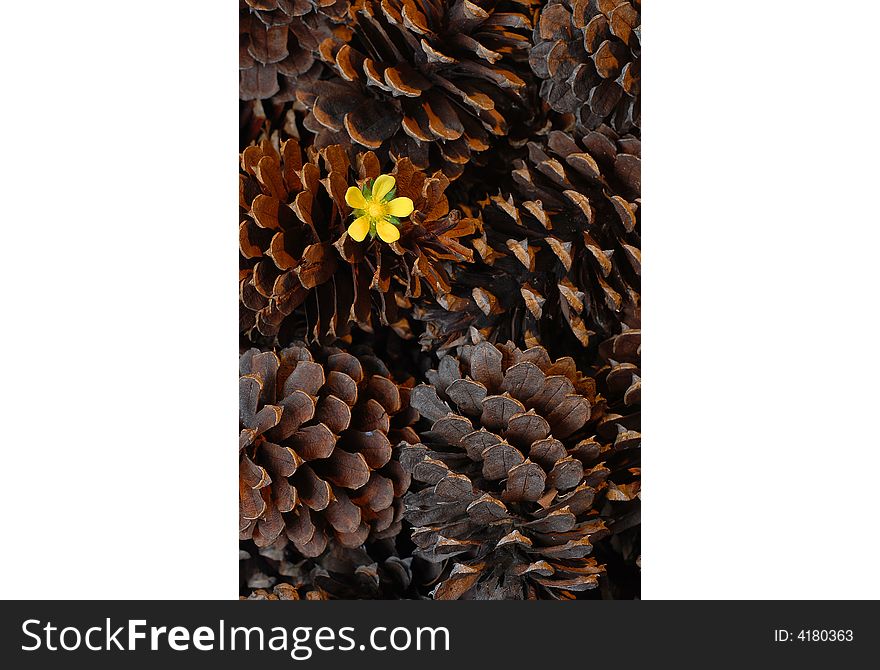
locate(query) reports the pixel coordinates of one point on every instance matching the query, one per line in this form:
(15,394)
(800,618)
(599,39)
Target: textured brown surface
(515,475)
(620,380)
(315,451)
(278,44)
(560,252)
(437,82)
(588,54)
(295,252)
(284,591)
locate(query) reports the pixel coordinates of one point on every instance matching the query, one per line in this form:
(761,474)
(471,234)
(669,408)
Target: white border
(760,454)
(119,328)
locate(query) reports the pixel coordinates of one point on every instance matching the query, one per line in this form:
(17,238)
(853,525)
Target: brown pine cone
(560,254)
(588,52)
(303,277)
(620,380)
(315,459)
(432,81)
(284,591)
(278,44)
(515,475)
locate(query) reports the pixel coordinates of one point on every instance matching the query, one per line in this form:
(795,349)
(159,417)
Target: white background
(119,328)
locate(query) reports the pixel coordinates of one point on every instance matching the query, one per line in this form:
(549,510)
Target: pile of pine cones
(439,210)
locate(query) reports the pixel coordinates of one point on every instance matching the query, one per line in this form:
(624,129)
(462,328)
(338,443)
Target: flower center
(376,210)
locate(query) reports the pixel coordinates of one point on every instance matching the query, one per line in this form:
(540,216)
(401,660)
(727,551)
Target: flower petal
(382,185)
(388,232)
(400,207)
(355,198)
(359,228)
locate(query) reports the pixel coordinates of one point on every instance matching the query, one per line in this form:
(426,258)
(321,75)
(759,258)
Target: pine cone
(264,567)
(373,572)
(588,52)
(263,576)
(315,460)
(432,81)
(515,475)
(278,43)
(560,254)
(620,380)
(284,591)
(302,276)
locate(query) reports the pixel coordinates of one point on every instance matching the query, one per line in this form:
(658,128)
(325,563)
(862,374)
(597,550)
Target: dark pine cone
(260,578)
(374,571)
(620,381)
(561,254)
(315,455)
(278,43)
(301,276)
(432,80)
(588,52)
(515,475)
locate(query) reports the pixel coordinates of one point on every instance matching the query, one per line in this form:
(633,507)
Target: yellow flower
(376,210)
